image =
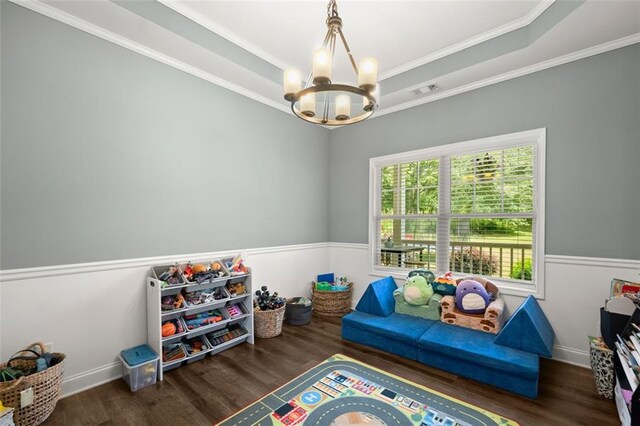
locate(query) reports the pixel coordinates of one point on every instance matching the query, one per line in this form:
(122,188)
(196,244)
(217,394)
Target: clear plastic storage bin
(141,375)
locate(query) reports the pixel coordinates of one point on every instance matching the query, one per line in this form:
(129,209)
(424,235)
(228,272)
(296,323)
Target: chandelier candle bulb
(292,83)
(308,105)
(343,107)
(322,66)
(367,73)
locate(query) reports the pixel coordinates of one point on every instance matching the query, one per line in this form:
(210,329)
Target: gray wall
(107,155)
(591,109)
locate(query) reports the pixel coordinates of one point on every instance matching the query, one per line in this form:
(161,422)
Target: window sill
(508,288)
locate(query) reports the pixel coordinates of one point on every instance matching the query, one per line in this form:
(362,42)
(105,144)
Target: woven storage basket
(47,387)
(331,303)
(268,323)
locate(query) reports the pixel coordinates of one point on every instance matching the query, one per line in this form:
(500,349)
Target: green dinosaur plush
(417,291)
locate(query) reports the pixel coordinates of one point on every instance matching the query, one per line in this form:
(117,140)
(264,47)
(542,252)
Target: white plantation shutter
(469,207)
(489,182)
(491,221)
(406,208)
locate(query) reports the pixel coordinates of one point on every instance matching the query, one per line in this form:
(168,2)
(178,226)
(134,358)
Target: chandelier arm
(327,37)
(327,102)
(346,47)
(333,46)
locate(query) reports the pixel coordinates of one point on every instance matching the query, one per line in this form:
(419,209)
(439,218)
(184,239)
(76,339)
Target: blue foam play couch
(509,360)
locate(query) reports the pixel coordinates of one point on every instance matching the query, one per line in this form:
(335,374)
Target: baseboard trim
(86,380)
(571,356)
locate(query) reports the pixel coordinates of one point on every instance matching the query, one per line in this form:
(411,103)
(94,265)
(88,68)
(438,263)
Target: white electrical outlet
(48,347)
(26,397)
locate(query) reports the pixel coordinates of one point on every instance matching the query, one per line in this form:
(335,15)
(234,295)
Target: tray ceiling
(462,45)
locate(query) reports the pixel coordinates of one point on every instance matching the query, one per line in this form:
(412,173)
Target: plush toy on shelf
(188,272)
(202,274)
(236,289)
(169,303)
(472,297)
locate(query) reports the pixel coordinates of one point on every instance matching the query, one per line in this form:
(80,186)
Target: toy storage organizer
(233,328)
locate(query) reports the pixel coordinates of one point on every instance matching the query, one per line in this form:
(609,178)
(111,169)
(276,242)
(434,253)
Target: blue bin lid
(138,355)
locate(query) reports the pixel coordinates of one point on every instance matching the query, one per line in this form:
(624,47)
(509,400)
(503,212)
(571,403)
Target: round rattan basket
(268,324)
(47,387)
(331,303)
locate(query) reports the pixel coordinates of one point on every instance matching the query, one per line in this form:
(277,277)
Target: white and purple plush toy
(472,297)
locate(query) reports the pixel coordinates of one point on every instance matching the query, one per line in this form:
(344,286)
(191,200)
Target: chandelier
(313,102)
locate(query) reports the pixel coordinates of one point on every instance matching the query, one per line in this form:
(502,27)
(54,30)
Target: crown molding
(200,19)
(179,7)
(540,66)
(473,41)
(66,18)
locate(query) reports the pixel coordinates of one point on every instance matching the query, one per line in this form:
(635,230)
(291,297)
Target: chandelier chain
(332,9)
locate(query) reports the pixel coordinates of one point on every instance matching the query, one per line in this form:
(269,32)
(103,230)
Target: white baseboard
(89,379)
(571,356)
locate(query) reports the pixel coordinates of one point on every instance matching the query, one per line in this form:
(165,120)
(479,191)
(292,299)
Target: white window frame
(536,137)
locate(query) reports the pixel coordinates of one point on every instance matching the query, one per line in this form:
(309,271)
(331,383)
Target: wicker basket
(47,387)
(268,323)
(331,303)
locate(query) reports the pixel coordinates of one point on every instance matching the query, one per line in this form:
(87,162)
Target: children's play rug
(342,391)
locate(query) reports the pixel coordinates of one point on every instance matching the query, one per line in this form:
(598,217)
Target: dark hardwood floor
(210,390)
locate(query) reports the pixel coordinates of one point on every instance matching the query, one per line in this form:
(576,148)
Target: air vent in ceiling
(427,88)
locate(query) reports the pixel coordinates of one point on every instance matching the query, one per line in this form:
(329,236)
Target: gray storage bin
(216,281)
(156,271)
(170,365)
(296,314)
(193,357)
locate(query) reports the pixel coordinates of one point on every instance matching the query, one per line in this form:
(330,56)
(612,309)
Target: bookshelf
(627,382)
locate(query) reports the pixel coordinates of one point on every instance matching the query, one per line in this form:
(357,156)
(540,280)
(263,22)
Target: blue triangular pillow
(378,298)
(528,329)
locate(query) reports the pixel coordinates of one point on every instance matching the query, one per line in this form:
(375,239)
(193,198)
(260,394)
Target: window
(472,208)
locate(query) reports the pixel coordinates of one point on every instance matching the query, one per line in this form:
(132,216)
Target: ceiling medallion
(321,101)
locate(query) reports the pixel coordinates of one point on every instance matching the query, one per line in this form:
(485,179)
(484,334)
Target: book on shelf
(629,355)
